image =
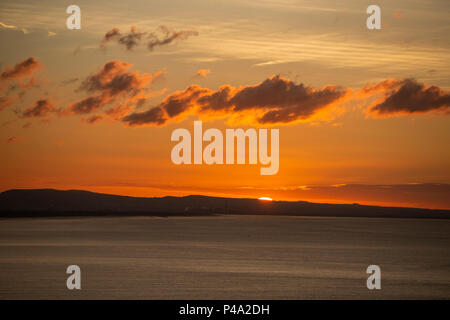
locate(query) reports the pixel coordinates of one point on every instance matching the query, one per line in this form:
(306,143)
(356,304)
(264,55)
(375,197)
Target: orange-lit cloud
(113,84)
(22,69)
(89,104)
(408,96)
(19,77)
(380,87)
(276,100)
(203,73)
(41,108)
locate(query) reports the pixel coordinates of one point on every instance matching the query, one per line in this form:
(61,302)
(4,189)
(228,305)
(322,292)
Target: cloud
(273,101)
(19,86)
(203,73)
(168,37)
(115,79)
(278,100)
(161,37)
(22,69)
(12,139)
(89,104)
(113,83)
(380,87)
(120,110)
(5,102)
(41,108)
(5,26)
(154,116)
(131,39)
(409,96)
(286,100)
(110,35)
(94,119)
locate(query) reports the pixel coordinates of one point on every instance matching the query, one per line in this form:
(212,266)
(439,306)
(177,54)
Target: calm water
(225,257)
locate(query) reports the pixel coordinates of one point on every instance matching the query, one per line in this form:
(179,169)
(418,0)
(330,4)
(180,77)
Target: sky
(363,114)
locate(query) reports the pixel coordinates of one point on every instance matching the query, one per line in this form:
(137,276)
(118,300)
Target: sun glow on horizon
(265,198)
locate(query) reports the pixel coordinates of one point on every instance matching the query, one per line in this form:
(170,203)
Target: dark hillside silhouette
(50,202)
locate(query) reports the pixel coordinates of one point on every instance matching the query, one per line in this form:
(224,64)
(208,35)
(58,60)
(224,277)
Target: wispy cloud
(163,36)
(5,26)
(12,27)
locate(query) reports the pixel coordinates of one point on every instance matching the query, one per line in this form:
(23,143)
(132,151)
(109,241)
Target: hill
(50,202)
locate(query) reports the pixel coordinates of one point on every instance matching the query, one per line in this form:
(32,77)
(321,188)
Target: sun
(265,198)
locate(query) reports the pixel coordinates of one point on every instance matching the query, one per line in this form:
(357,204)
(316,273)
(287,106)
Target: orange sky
(363,115)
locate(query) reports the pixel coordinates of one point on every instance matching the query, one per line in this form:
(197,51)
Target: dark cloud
(168,37)
(217,100)
(114,78)
(132,39)
(286,100)
(18,80)
(277,100)
(94,119)
(113,83)
(180,102)
(22,69)
(161,37)
(40,109)
(154,116)
(111,34)
(89,104)
(410,96)
(129,40)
